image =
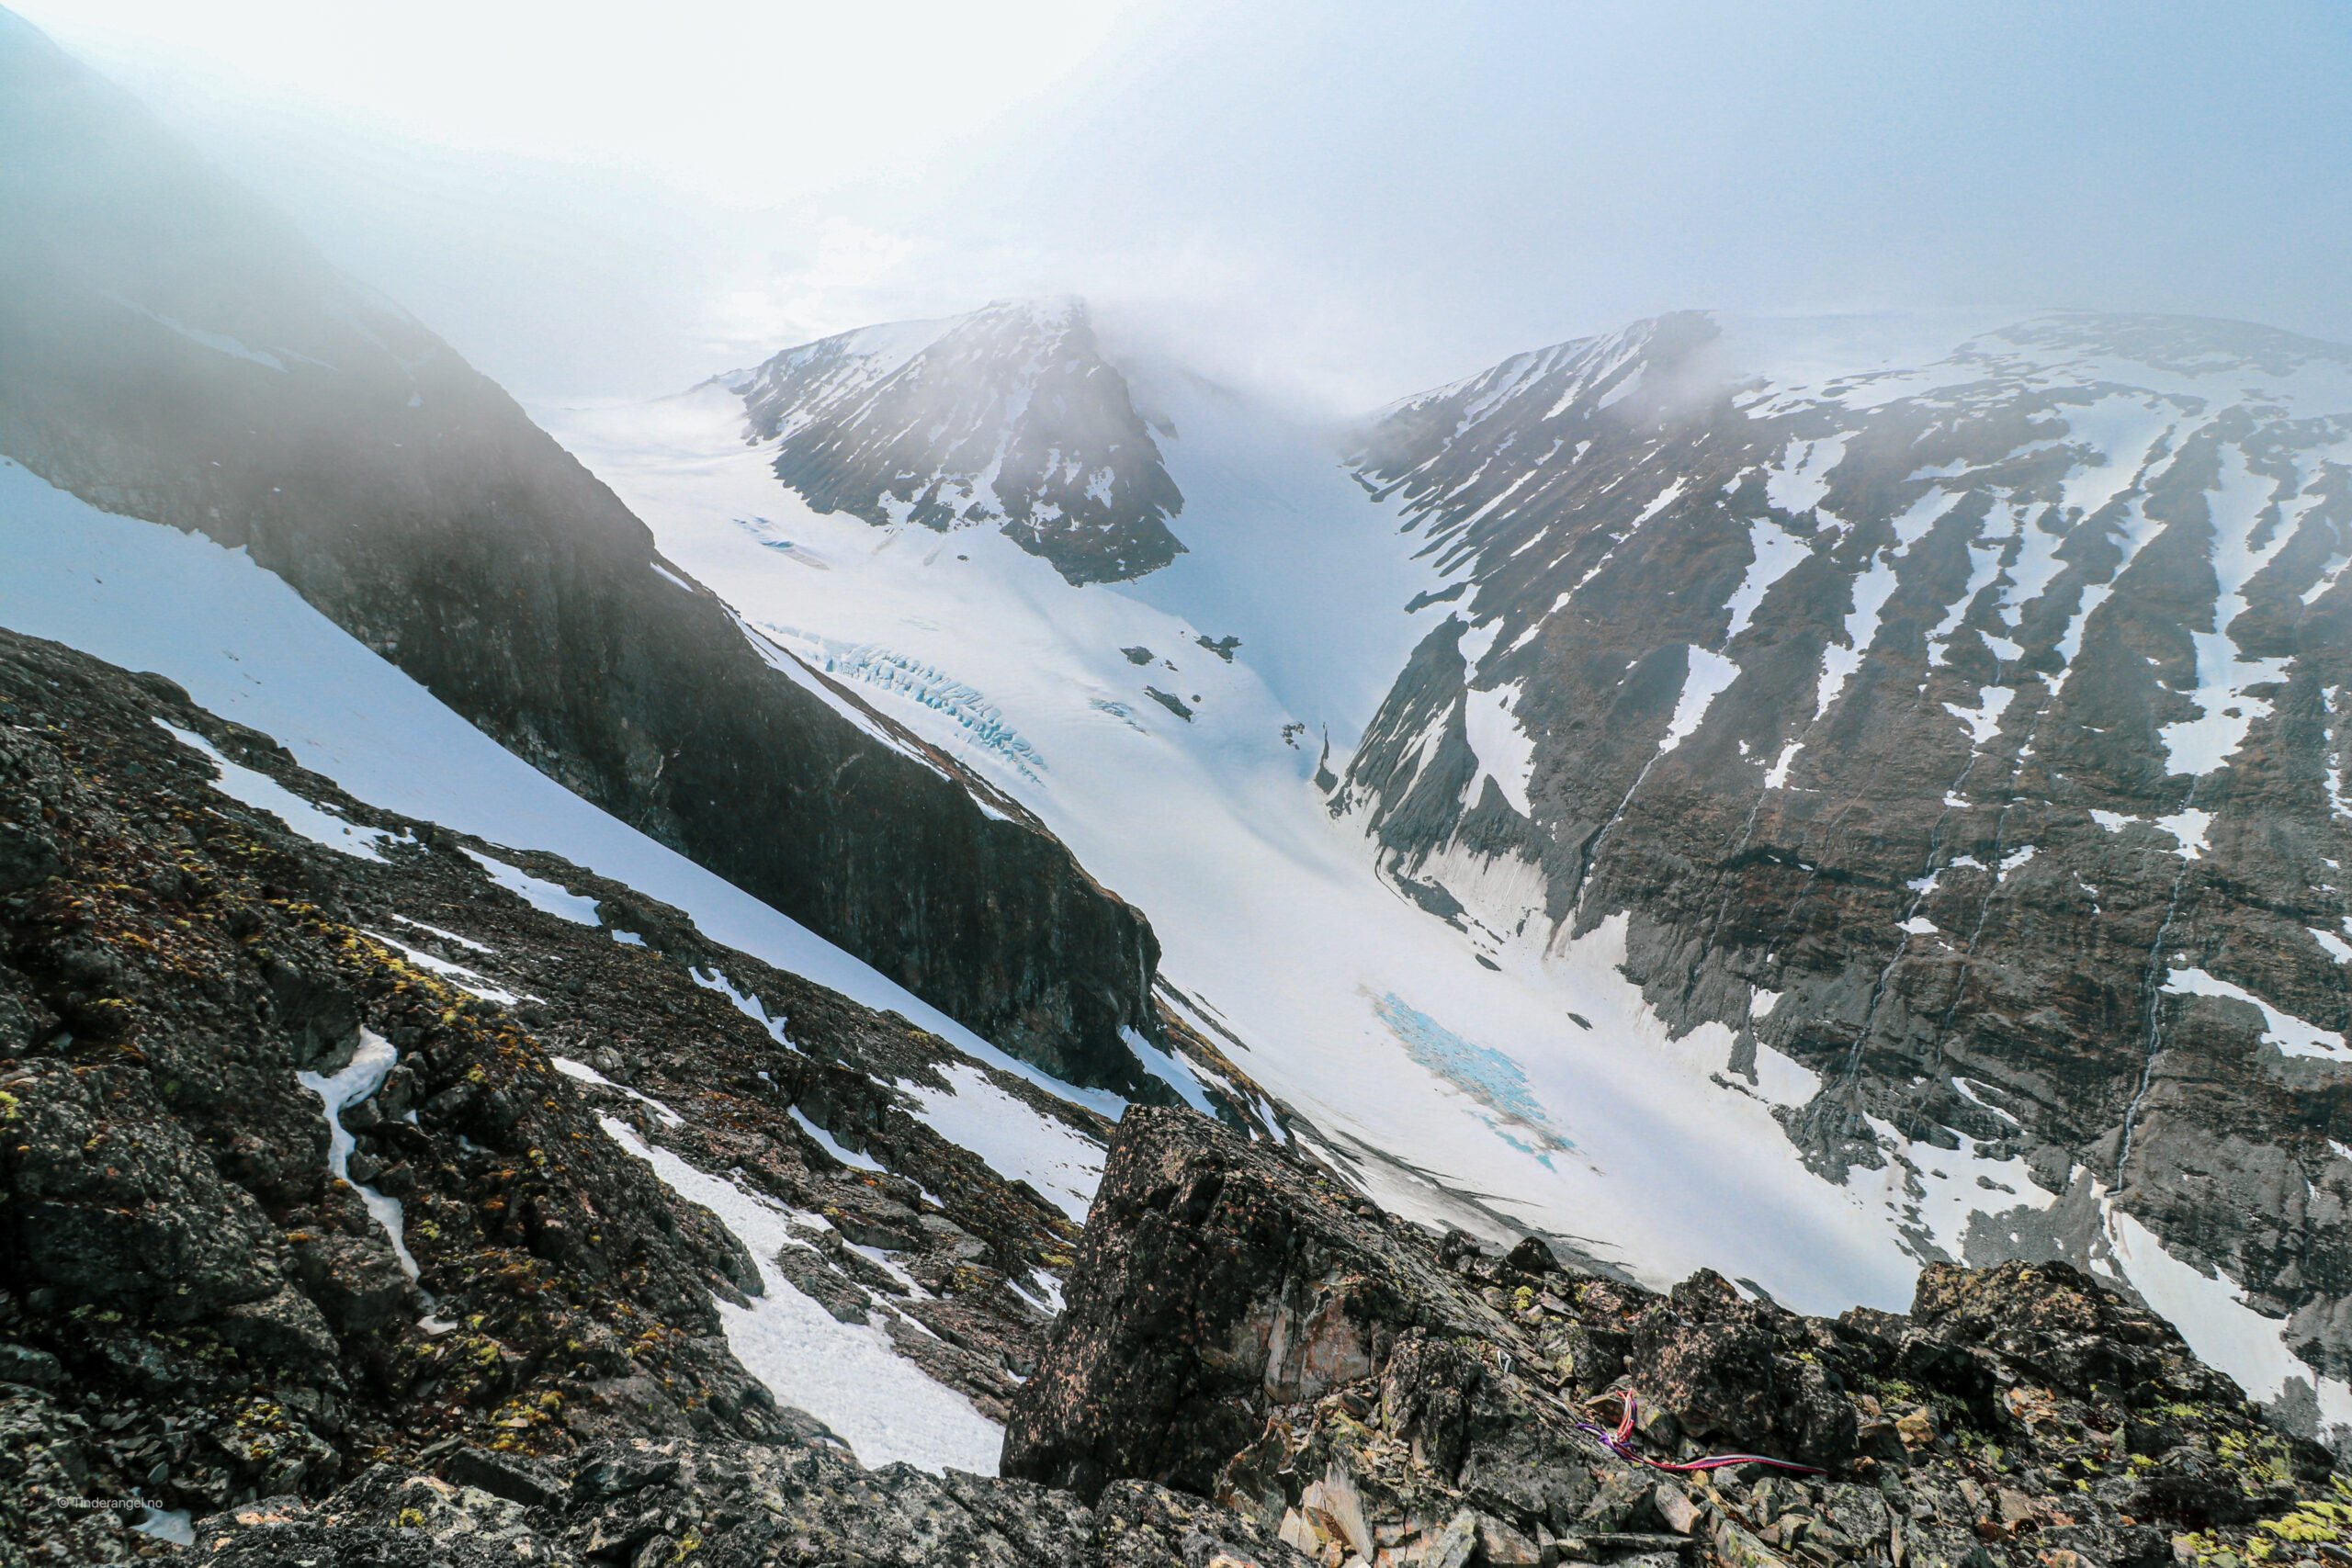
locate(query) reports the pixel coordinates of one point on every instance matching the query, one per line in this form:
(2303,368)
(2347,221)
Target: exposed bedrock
(1970,731)
(1238,1324)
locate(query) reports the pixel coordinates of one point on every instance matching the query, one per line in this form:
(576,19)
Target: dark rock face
(1415,1400)
(1213,1278)
(1970,731)
(171,351)
(1006,418)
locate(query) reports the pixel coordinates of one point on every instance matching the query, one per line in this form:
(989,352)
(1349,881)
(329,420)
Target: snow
(1970,1093)
(363,1076)
(2199,745)
(174,1525)
(832,1145)
(1802,478)
(1774,553)
(1506,752)
(2290,1034)
(220,342)
(845,1374)
(1261,900)
(465,942)
(2188,824)
(587,1074)
(1939,1190)
(456,975)
(1984,722)
(1018,1142)
(1172,1070)
(1703,679)
(2337,948)
(749,1006)
(1872,591)
(2214,1317)
(301,817)
(1660,501)
(545,896)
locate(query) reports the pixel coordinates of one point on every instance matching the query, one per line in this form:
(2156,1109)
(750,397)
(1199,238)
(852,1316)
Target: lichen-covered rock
(729,1504)
(2020,1414)
(181,1270)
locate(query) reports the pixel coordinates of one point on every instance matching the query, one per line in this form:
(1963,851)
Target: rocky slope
(1008,418)
(1256,1369)
(329,1149)
(1243,1327)
(174,350)
(1962,724)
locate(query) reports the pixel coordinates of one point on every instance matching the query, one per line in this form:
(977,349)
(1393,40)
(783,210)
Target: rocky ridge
(1965,729)
(1398,1397)
(1243,1327)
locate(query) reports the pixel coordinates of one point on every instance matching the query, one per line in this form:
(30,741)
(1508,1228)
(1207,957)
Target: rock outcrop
(172,350)
(313,1158)
(648,1503)
(1239,1324)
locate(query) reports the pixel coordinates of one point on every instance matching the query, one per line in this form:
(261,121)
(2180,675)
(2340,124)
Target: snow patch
(1704,681)
(301,817)
(2214,1318)
(545,896)
(749,1006)
(363,1076)
(832,1145)
(1506,753)
(1170,1070)
(845,1374)
(1017,1142)
(456,975)
(586,1074)
(2290,1034)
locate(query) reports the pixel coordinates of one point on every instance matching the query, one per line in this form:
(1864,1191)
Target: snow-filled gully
(363,1076)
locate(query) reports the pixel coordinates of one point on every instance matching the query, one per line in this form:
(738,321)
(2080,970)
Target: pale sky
(1342,203)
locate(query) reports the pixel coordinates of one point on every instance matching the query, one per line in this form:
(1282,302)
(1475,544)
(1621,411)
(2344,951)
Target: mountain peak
(1008,417)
